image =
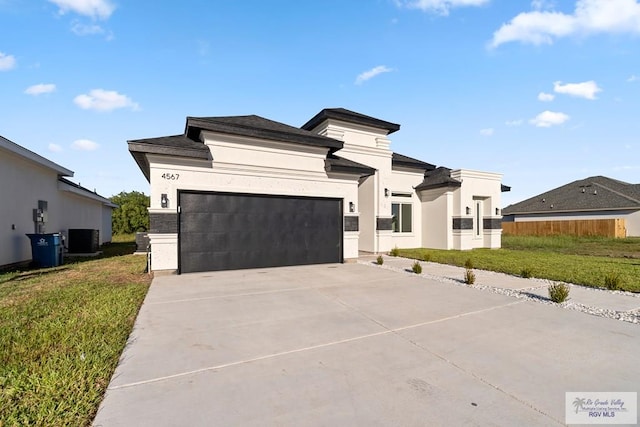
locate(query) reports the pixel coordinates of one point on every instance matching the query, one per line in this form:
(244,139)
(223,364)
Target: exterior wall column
(163,238)
(351,236)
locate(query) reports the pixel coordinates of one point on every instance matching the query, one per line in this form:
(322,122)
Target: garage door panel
(197,241)
(221,231)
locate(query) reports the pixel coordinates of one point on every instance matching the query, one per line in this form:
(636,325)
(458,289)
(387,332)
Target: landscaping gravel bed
(632,316)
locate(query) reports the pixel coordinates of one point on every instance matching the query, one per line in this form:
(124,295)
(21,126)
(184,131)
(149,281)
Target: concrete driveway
(352,344)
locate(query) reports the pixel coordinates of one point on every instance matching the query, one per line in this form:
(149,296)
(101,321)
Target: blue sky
(545,92)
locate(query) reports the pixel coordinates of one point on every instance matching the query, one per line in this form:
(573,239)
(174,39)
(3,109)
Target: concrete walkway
(357,345)
(601,302)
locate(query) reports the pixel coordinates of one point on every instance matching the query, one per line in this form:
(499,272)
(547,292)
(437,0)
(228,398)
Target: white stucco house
(244,192)
(36,197)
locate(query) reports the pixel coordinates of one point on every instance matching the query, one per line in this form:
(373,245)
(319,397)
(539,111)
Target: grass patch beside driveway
(62,331)
(583,261)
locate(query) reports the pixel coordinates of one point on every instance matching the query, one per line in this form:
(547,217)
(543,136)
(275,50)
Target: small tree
(131,215)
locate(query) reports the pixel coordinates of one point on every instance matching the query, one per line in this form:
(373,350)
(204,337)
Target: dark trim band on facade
(492,223)
(163,223)
(384,224)
(462,223)
(351,223)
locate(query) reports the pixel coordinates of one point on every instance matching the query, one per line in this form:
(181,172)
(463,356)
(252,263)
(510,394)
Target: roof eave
(203,153)
(195,124)
(331,113)
(424,166)
(362,172)
(36,158)
(143,163)
(422,187)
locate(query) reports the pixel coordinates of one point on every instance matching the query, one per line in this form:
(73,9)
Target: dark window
(402,217)
(478,218)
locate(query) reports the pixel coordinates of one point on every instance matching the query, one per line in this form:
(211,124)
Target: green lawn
(62,331)
(584,261)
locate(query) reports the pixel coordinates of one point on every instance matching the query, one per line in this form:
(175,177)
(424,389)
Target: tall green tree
(131,215)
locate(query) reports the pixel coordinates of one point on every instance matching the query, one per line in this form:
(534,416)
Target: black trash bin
(46,250)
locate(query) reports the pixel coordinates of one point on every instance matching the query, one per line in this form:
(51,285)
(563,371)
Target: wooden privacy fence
(578,227)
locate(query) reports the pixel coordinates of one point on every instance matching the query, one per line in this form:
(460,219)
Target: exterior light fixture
(468,210)
(497,211)
(386,192)
(164,200)
(352,207)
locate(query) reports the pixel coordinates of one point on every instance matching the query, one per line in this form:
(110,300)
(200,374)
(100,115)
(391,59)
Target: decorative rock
(625,316)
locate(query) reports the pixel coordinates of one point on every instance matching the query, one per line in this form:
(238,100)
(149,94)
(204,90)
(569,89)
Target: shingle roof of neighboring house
(589,194)
(334,163)
(348,116)
(438,178)
(258,127)
(410,162)
(85,192)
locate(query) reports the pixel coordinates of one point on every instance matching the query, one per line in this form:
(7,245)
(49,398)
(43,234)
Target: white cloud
(81,29)
(85,145)
(441,7)
(589,17)
(549,118)
(204,47)
(542,4)
(39,89)
(55,148)
(100,9)
(633,78)
(369,74)
(104,100)
(7,62)
(585,90)
(546,97)
(513,123)
(486,132)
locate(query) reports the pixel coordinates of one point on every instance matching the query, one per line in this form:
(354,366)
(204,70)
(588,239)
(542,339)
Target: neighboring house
(244,191)
(31,183)
(597,197)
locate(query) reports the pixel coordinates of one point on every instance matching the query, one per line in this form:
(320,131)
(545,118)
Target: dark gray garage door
(228,231)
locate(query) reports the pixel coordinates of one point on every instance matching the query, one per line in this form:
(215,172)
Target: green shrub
(426,257)
(612,281)
(379,260)
(468,264)
(469,277)
(416,267)
(558,292)
(394,251)
(526,273)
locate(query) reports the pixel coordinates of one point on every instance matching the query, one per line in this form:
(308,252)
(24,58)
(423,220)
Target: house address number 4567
(171,176)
